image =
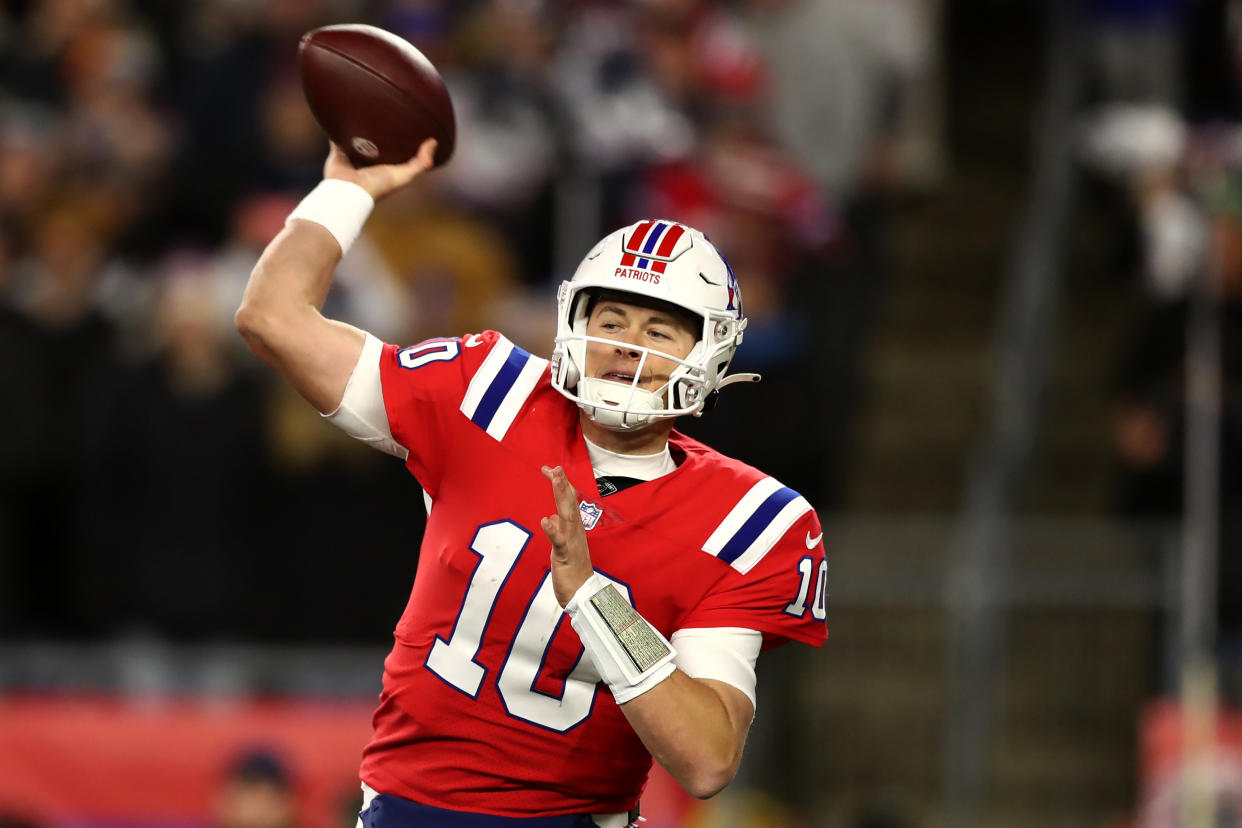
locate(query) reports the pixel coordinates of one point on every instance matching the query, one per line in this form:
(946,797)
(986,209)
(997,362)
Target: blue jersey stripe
(756,523)
(495,395)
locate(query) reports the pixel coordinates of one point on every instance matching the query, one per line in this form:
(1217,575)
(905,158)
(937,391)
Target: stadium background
(969,234)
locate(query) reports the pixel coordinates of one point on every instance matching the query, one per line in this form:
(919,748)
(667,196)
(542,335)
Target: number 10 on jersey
(499,545)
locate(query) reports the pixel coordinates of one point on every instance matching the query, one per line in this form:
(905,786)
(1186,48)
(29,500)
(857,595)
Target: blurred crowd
(154,478)
(1162,149)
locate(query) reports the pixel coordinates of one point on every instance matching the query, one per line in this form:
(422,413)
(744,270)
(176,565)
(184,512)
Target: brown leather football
(375,95)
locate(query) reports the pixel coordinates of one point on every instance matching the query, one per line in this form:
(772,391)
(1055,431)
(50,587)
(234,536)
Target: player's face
(635,325)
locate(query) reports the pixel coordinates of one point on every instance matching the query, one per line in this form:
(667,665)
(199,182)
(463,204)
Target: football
(376,96)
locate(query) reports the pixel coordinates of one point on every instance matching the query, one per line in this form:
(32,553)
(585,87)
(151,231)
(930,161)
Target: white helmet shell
(652,260)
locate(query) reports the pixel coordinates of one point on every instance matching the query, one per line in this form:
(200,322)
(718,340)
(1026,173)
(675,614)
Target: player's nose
(627,345)
(628,350)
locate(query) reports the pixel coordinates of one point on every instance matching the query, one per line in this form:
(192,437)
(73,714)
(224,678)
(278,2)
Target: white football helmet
(651,260)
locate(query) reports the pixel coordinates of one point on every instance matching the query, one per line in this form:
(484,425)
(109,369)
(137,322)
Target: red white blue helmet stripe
(652,245)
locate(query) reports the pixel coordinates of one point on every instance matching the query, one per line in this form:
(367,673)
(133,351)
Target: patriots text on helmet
(640,275)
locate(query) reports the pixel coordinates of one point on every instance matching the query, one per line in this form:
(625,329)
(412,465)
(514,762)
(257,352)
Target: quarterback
(594,588)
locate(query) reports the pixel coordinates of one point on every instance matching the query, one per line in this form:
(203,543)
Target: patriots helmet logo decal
(735,290)
(654,244)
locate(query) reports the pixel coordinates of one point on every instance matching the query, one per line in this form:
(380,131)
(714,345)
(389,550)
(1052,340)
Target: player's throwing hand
(381,179)
(571,557)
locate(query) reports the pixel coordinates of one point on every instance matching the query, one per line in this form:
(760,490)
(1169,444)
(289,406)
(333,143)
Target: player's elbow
(709,778)
(707,786)
(261,319)
(253,323)
(268,331)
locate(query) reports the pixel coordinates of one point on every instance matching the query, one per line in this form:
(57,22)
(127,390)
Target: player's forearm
(280,320)
(690,731)
(294,273)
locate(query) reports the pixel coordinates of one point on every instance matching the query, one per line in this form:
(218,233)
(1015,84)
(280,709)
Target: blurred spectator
(1175,172)
(456,265)
(851,88)
(1152,389)
(30,162)
(1150,426)
(1211,83)
(240,123)
(430,25)
(619,118)
(177,476)
(256,792)
(699,56)
(1133,49)
(61,353)
(113,132)
(507,124)
(1182,185)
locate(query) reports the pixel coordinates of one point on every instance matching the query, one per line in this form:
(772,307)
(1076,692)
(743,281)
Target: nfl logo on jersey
(590,514)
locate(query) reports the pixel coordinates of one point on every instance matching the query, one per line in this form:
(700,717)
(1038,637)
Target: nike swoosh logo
(811,543)
(709,281)
(474,340)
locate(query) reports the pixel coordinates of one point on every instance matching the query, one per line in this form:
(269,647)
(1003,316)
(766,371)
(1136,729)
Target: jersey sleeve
(782,593)
(434,389)
(361,413)
(725,654)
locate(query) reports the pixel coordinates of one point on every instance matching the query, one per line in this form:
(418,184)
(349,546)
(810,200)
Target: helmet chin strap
(605,402)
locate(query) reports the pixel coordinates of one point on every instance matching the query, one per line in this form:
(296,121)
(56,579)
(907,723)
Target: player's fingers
(420,162)
(566,498)
(337,160)
(552,527)
(548,524)
(426,154)
(562,492)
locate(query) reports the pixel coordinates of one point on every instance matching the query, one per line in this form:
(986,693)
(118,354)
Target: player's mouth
(620,376)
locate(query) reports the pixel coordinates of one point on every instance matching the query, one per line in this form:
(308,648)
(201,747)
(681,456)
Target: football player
(593,587)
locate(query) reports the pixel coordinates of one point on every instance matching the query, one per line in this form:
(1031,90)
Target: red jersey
(488,702)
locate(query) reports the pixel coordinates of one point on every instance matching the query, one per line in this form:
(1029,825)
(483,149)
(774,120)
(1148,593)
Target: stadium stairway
(1062,745)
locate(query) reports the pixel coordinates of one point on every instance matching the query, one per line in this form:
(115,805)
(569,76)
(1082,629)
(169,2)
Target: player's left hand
(571,557)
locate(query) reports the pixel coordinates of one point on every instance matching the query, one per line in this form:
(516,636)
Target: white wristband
(630,654)
(341,207)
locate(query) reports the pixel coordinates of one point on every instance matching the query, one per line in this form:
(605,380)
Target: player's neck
(651,440)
